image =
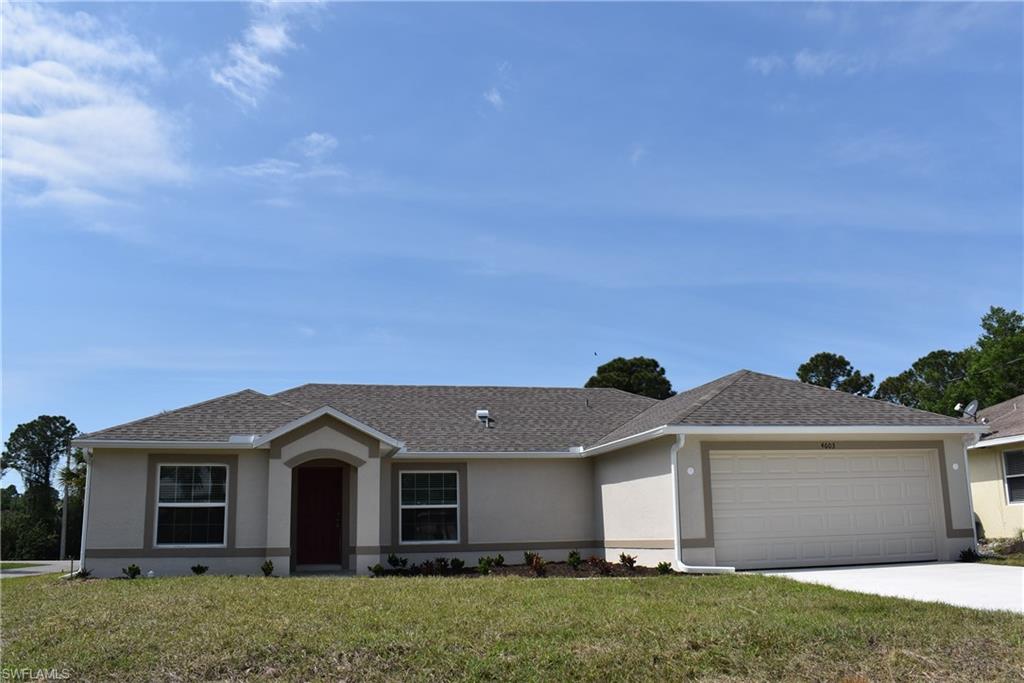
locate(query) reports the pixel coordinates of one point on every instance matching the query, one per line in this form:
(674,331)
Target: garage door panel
(812,509)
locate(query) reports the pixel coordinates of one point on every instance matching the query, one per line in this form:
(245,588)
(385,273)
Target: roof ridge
(459,386)
(1019,398)
(176,410)
(701,403)
(856,396)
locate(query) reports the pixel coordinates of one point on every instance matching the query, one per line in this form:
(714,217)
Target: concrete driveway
(982,586)
(38,567)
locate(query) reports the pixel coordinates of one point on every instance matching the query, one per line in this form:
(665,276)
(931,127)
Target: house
(996,463)
(747,471)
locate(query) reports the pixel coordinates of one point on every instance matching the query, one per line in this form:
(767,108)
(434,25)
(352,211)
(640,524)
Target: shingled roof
(525,419)
(747,398)
(1005,419)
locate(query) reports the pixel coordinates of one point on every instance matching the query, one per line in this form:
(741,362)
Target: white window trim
(458,502)
(1008,477)
(227,497)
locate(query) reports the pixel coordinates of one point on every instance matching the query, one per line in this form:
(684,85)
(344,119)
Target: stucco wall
(121,497)
(988,488)
(633,496)
(527,500)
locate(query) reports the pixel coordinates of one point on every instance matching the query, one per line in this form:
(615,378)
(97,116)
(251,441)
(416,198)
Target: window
(191,505)
(429,507)
(1013,467)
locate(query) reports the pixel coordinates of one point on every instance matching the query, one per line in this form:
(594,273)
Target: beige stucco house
(747,471)
(997,471)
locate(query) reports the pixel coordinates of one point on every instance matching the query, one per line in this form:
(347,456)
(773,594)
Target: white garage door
(812,508)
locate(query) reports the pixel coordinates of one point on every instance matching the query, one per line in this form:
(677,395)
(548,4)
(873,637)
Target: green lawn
(740,627)
(16,565)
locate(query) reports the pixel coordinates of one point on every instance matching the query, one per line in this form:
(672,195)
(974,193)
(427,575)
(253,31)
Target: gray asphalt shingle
(1004,419)
(442,418)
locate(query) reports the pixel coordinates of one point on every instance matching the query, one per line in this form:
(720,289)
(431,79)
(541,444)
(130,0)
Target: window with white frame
(1013,469)
(191,506)
(429,507)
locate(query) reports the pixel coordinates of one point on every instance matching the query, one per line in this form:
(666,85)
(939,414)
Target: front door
(319,515)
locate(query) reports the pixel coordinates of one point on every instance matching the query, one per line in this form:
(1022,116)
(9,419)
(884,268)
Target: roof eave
(999,441)
(151,443)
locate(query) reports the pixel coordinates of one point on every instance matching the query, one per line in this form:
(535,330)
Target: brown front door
(319,515)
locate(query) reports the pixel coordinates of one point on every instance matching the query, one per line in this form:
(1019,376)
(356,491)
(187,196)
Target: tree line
(30,521)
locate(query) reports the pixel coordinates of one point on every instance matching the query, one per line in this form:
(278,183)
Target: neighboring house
(997,471)
(747,471)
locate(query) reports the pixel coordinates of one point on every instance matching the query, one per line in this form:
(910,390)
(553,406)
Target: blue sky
(199,198)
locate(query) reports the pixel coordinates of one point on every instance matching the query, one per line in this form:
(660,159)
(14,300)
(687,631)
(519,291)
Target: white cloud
(75,131)
(493,97)
(811,63)
(247,71)
(767,64)
(316,145)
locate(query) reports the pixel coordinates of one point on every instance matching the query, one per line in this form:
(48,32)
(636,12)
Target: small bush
(969,555)
(628,561)
(378,569)
(538,565)
(267,568)
(428,568)
(199,569)
(132,571)
(396,562)
(603,566)
(457,565)
(574,560)
(441,564)
(499,561)
(528,558)
(664,568)
(484,564)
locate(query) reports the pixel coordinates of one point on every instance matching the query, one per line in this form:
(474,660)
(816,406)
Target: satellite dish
(971,409)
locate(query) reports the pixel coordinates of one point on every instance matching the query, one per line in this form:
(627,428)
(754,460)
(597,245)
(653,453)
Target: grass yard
(16,565)
(1012,559)
(740,627)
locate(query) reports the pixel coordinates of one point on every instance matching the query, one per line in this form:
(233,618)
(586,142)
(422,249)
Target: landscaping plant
(131,571)
(574,560)
(664,568)
(628,561)
(267,568)
(199,569)
(603,566)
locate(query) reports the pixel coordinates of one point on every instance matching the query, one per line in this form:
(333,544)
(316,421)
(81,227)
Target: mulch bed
(562,569)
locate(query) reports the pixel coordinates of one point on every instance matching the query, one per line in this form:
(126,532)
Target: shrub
(538,565)
(267,568)
(378,569)
(664,568)
(427,568)
(441,564)
(457,565)
(397,562)
(484,564)
(528,557)
(628,561)
(603,566)
(969,555)
(199,569)
(574,560)
(131,571)
(499,561)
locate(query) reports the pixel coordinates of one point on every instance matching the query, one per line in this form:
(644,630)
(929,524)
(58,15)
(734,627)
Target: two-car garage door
(828,507)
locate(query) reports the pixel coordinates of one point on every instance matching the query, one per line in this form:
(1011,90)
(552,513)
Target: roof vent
(484,416)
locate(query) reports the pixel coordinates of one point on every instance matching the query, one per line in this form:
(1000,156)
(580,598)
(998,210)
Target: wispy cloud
(899,35)
(76,132)
(248,71)
(316,145)
(767,64)
(495,94)
(636,153)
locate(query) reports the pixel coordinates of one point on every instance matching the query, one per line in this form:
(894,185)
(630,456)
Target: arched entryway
(323,514)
